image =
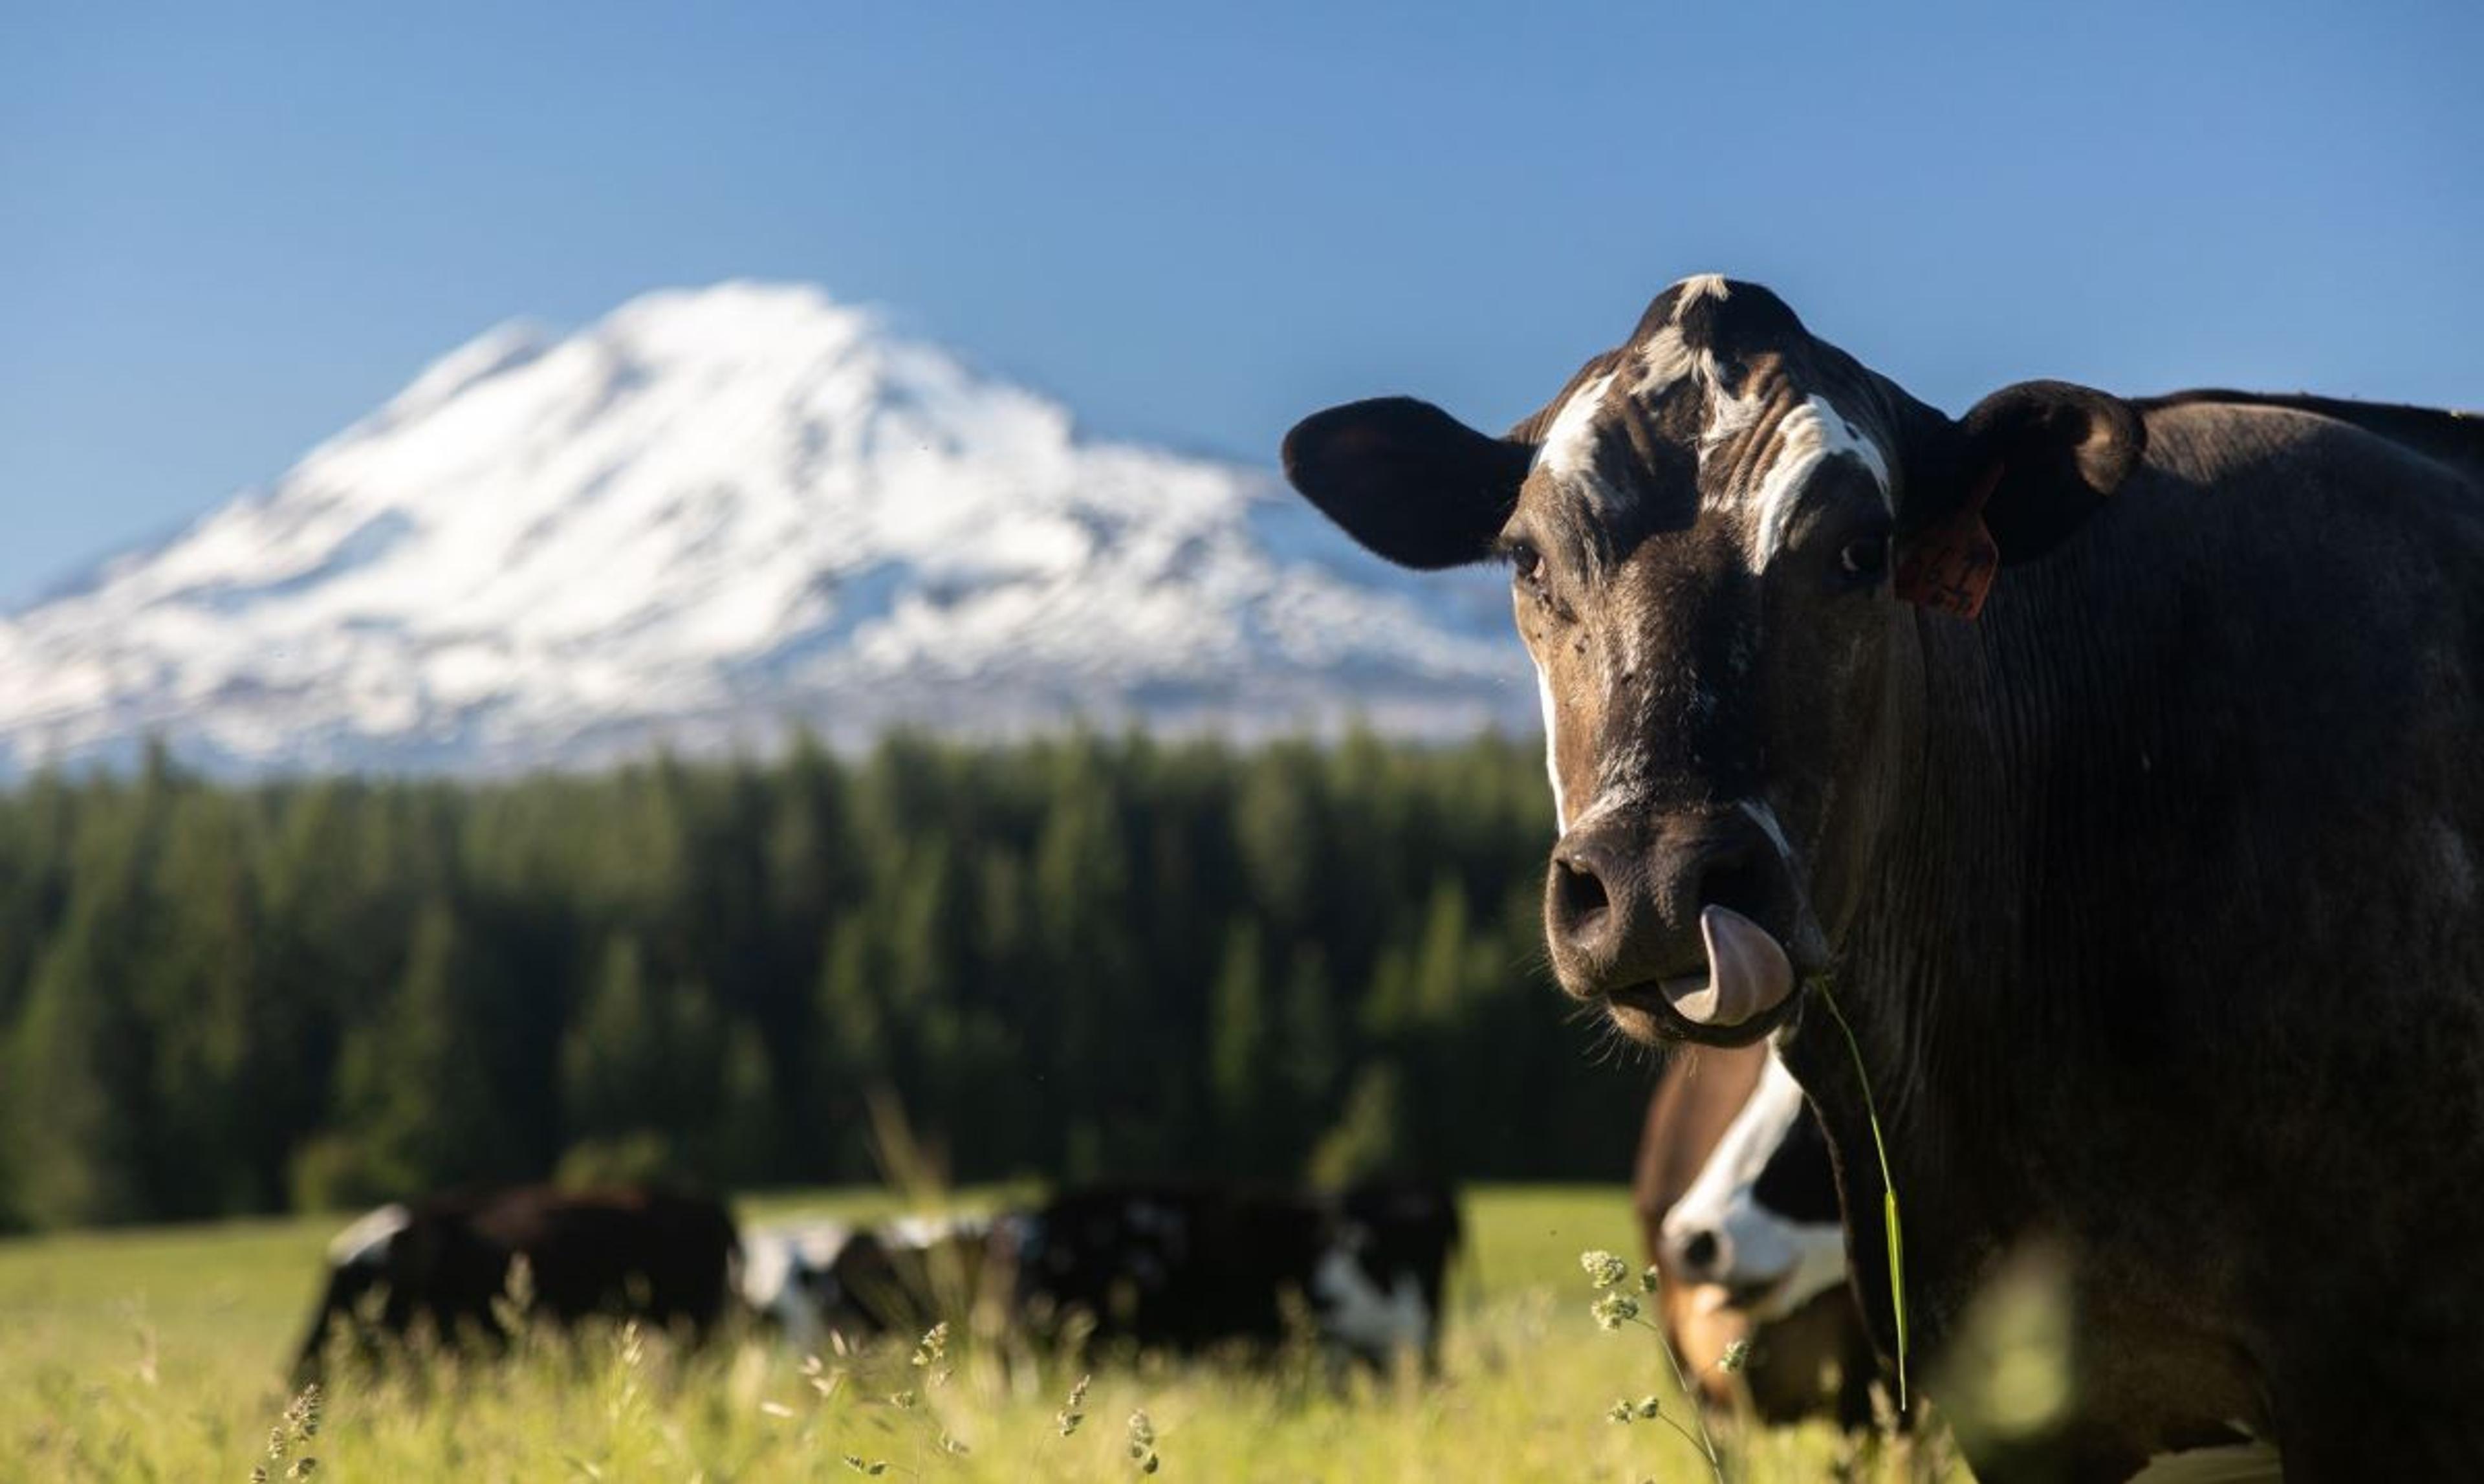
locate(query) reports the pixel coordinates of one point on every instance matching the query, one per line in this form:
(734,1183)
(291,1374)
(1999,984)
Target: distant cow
(1737,1208)
(441,1264)
(2086,794)
(1190,1266)
(787,1278)
(1380,1282)
(892,1278)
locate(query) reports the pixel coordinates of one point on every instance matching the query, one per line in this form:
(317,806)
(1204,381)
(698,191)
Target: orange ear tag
(1950,567)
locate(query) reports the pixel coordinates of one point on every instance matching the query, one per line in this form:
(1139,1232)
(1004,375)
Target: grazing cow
(895,1277)
(900,1277)
(1380,1283)
(1737,1208)
(443,1264)
(788,1279)
(1190,1267)
(2115,766)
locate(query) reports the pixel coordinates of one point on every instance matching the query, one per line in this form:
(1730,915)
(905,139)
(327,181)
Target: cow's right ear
(1408,480)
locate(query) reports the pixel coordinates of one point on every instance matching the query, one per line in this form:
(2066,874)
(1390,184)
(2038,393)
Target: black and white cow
(1762,1218)
(1192,1267)
(897,1276)
(1380,1285)
(446,1265)
(2115,766)
(1737,1209)
(788,1279)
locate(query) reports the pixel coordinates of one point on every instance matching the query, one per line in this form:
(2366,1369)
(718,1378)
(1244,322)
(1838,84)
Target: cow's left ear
(2021,471)
(1408,480)
(2053,453)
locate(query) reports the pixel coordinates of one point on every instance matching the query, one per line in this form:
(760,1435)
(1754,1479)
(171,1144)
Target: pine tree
(417,1085)
(612,1057)
(223,1046)
(1370,1136)
(1105,1058)
(747,1130)
(76,1148)
(82,1096)
(1313,1056)
(1239,1074)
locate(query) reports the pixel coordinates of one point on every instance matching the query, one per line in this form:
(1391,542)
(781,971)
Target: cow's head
(1719,536)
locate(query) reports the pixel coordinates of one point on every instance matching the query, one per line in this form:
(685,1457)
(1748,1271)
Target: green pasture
(161,1354)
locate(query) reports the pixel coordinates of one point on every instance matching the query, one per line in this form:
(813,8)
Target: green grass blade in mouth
(1888,1187)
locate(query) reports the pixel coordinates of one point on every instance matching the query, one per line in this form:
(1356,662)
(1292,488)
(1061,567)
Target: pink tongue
(1747,972)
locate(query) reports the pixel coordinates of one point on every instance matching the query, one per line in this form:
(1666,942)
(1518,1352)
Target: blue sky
(228,232)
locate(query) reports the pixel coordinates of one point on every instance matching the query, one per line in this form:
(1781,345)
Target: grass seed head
(1074,1410)
(518,1284)
(824,1379)
(293,1432)
(1603,1268)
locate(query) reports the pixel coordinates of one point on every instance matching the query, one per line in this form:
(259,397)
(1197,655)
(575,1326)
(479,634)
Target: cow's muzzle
(1666,926)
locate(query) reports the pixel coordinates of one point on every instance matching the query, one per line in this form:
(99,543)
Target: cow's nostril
(1583,900)
(1699,1253)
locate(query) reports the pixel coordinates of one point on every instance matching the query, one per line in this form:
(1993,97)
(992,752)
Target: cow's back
(653,1255)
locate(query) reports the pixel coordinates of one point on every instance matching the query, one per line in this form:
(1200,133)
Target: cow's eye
(1864,558)
(1526,564)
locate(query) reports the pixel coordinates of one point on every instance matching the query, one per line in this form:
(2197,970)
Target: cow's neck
(1960,1042)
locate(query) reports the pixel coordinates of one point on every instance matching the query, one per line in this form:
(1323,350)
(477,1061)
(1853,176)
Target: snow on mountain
(711,515)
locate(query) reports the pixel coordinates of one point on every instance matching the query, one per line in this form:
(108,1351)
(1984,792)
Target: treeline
(1066,959)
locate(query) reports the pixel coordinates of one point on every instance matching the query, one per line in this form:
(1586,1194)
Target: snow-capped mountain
(710,516)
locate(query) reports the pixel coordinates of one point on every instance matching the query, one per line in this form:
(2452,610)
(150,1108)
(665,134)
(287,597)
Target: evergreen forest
(1060,958)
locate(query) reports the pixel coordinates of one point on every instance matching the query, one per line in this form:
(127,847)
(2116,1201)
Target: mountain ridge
(710,516)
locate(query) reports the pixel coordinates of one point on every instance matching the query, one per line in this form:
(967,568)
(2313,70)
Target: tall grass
(161,1356)
(1893,1227)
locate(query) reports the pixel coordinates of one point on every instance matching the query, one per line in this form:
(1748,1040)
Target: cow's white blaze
(1551,748)
(1357,1311)
(1755,1245)
(1727,415)
(1569,448)
(367,1239)
(1665,358)
(1698,286)
(1807,437)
